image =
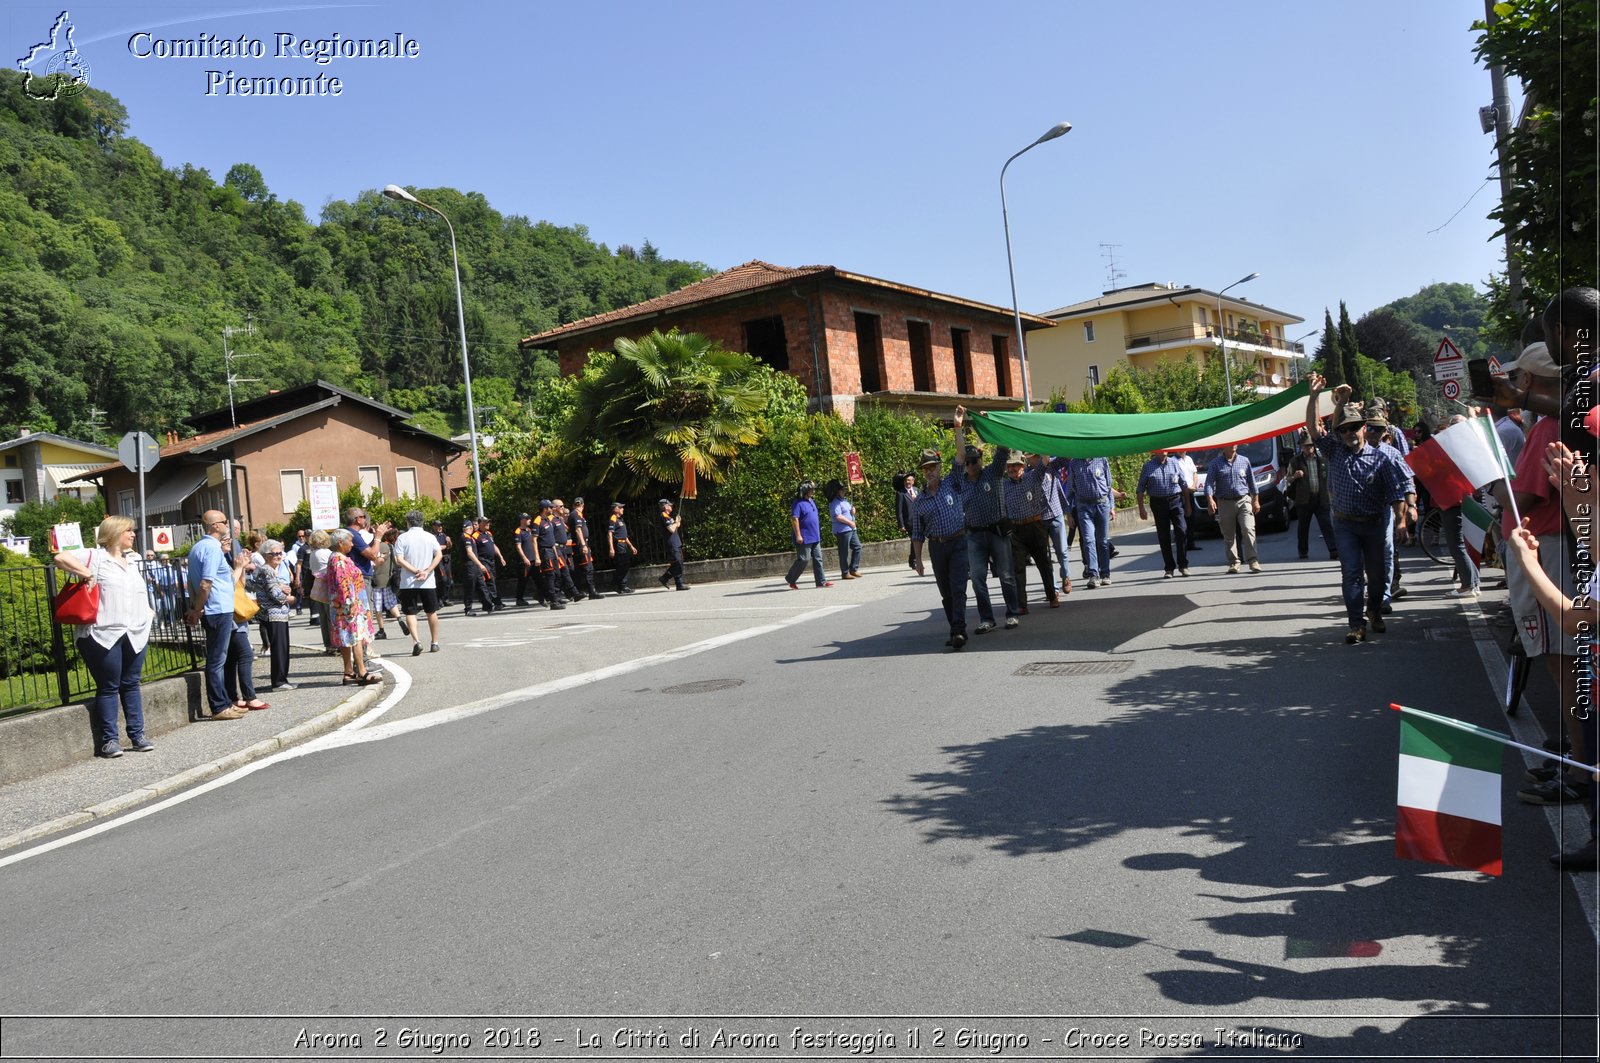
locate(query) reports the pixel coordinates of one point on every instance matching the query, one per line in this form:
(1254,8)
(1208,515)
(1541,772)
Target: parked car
(1268,458)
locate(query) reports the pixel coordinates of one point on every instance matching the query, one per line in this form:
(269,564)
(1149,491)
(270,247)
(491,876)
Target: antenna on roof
(228,355)
(1113,275)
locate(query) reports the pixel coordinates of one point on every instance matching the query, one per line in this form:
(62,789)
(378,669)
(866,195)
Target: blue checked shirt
(1026,497)
(982,496)
(1229,479)
(1088,481)
(1161,478)
(1361,483)
(1400,459)
(940,511)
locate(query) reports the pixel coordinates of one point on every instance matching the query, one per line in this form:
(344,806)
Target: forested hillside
(118,276)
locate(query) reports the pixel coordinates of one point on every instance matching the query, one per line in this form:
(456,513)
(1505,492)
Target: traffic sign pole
(139,453)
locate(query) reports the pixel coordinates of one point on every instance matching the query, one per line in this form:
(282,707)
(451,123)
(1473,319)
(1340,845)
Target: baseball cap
(524,516)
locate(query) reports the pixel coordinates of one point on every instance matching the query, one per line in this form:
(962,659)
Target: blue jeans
(949,562)
(986,548)
(1363,564)
(117,673)
(804,552)
(1056,528)
(849,551)
(236,672)
(219,636)
(1094,525)
(1450,526)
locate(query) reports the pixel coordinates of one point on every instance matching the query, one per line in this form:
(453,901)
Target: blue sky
(1315,143)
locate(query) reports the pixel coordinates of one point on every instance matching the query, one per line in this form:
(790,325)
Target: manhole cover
(1074,668)
(703,686)
(1455,634)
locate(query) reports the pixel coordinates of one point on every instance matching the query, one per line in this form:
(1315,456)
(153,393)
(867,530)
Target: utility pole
(1502,133)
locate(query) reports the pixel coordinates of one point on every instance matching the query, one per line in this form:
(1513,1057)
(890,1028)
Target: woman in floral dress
(352,623)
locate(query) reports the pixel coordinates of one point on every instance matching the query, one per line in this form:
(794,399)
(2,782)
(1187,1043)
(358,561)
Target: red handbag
(77,603)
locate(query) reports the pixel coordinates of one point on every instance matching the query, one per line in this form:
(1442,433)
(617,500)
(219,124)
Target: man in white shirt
(417,553)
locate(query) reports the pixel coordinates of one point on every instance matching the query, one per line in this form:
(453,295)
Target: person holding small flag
(1367,489)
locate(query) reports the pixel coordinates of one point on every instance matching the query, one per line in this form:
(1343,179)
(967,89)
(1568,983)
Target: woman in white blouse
(113,646)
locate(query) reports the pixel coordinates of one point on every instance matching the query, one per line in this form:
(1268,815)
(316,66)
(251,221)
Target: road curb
(321,724)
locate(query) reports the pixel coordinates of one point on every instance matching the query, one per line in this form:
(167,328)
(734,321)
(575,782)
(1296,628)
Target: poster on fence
(323,493)
(161,538)
(67,537)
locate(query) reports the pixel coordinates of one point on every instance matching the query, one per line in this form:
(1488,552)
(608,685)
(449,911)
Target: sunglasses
(1349,429)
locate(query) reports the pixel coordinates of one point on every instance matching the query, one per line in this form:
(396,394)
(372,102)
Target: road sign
(138,452)
(1452,389)
(1448,364)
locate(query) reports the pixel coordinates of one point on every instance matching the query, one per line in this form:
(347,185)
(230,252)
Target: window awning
(170,496)
(57,474)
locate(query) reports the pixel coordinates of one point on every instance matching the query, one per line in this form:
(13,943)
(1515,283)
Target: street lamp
(396,192)
(1222,335)
(1022,346)
(1295,364)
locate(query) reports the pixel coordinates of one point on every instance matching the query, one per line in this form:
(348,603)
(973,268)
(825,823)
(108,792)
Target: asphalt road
(840,820)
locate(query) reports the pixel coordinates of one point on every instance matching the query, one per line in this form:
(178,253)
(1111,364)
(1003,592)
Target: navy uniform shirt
(1229,479)
(941,511)
(544,531)
(981,497)
(1025,497)
(560,526)
(1361,483)
(1088,481)
(1161,478)
(619,533)
(525,541)
(669,533)
(582,549)
(484,541)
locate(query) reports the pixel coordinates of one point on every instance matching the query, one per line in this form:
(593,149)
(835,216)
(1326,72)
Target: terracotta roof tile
(182,446)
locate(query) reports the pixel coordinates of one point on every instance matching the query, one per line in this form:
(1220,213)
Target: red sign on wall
(852,463)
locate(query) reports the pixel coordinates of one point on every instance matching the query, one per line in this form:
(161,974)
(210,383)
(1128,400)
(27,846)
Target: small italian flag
(1459,460)
(1475,521)
(1448,809)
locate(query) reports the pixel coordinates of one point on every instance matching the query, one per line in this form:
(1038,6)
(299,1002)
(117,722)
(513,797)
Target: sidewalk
(92,789)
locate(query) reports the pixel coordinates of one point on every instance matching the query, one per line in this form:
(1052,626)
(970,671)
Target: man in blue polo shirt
(211,606)
(1231,498)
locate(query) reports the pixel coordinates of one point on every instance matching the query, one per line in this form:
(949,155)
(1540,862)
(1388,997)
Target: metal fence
(39,663)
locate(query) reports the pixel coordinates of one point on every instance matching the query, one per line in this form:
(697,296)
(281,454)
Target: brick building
(280,442)
(850,339)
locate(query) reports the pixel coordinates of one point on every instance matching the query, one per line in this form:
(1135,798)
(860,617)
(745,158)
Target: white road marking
(352,732)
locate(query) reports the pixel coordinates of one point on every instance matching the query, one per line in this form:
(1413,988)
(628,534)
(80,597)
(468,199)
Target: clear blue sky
(1316,143)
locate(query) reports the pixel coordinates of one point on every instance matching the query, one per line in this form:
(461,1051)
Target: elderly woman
(273,584)
(113,646)
(352,623)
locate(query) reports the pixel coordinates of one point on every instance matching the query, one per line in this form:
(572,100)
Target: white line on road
(352,733)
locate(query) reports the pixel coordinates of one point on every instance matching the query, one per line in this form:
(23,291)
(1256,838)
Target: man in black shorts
(417,553)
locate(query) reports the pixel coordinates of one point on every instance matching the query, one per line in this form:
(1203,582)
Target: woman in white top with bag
(113,646)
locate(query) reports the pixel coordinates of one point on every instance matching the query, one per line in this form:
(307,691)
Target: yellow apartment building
(1150,323)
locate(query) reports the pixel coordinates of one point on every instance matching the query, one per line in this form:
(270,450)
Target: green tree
(1329,354)
(1552,154)
(1350,351)
(664,400)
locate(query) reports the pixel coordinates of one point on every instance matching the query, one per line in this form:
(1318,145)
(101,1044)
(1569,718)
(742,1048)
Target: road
(816,811)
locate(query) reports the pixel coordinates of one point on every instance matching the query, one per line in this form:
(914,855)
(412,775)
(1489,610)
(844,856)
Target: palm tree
(663,400)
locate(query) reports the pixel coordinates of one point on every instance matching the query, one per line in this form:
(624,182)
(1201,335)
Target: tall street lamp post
(396,192)
(1222,335)
(1295,364)
(1022,347)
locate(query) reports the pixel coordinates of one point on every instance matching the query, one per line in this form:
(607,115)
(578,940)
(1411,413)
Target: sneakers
(1105,581)
(1255,566)
(1463,592)
(1091,583)
(433,647)
(1233,570)
(985,627)
(141,744)
(1167,574)
(416,649)
(1357,634)
(281,686)
(1183,572)
(1012,622)
(1375,621)
(1554,792)
(109,750)
(1543,774)
(232,712)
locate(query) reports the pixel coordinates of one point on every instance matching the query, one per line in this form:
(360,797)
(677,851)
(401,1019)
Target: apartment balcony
(1190,335)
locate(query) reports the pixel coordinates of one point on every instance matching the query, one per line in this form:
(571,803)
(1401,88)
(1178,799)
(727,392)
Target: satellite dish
(1277,378)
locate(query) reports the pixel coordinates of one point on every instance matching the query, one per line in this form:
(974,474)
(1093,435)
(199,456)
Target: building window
(920,336)
(405,483)
(1002,364)
(125,504)
(961,347)
(371,479)
(869,351)
(14,493)
(1094,376)
(11,461)
(292,488)
(1088,332)
(764,340)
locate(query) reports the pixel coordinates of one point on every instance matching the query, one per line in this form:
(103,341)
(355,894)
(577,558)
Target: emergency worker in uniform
(545,557)
(564,582)
(622,548)
(582,551)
